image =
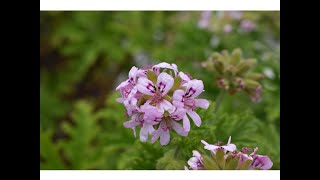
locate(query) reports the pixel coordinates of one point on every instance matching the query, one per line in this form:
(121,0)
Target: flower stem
(219,100)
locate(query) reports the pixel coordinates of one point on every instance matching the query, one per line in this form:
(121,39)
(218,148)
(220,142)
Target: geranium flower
(214,148)
(186,99)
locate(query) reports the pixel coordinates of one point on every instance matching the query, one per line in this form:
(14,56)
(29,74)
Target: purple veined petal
(146,86)
(132,93)
(123,84)
(196,154)
(179,129)
(167,106)
(156,135)
(209,146)
(185,78)
(164,137)
(164,83)
(177,98)
(202,103)
(178,114)
(132,74)
(194,88)
(195,117)
(186,123)
(262,162)
(243,157)
(144,134)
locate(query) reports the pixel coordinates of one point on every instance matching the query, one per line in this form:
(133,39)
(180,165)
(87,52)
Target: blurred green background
(85,55)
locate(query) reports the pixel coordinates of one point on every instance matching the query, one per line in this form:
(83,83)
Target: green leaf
(209,163)
(49,152)
(220,158)
(245,165)
(177,83)
(231,163)
(152,76)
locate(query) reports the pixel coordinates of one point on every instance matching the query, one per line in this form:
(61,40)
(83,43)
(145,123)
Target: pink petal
(185,78)
(156,135)
(194,88)
(178,98)
(209,146)
(120,100)
(146,86)
(195,117)
(186,123)
(196,154)
(134,131)
(179,129)
(230,147)
(167,106)
(130,124)
(133,72)
(164,83)
(123,84)
(144,134)
(178,114)
(202,103)
(165,137)
(262,162)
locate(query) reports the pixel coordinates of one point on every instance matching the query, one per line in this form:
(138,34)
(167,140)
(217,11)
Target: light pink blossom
(168,123)
(214,148)
(186,99)
(157,91)
(196,162)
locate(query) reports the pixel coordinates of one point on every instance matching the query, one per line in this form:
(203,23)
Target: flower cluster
(158,98)
(233,73)
(227,157)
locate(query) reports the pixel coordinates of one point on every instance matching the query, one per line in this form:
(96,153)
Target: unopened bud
(219,67)
(255,76)
(236,56)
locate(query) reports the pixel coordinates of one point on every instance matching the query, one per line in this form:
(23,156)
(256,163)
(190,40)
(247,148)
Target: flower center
(189,103)
(157,98)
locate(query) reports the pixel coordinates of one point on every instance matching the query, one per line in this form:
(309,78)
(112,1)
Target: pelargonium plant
(227,157)
(234,73)
(159,99)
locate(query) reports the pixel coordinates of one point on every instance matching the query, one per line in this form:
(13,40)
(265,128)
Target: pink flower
(127,88)
(214,148)
(196,162)
(157,68)
(261,162)
(140,118)
(186,99)
(149,105)
(184,77)
(158,91)
(166,124)
(258,161)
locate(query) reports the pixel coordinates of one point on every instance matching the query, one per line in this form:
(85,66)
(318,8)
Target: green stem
(219,100)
